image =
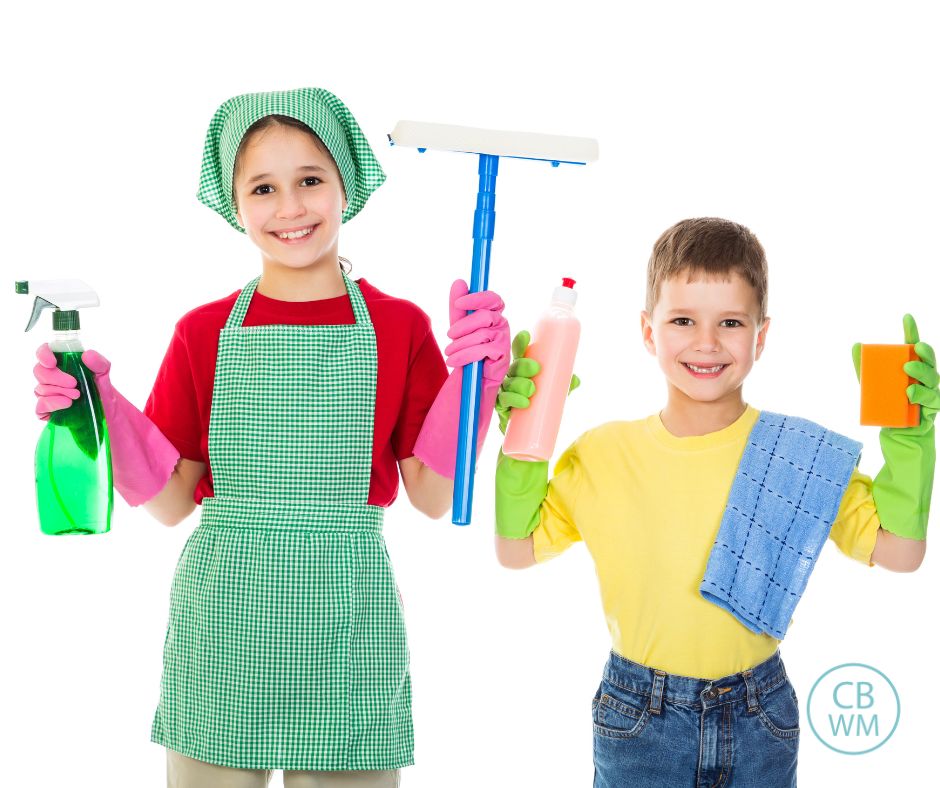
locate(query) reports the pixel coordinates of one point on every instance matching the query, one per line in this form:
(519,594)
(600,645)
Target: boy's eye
(689,320)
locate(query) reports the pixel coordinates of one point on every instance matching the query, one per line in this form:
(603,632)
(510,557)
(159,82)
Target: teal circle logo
(853,708)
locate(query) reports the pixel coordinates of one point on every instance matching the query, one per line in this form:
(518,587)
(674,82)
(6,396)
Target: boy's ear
(761,338)
(646,326)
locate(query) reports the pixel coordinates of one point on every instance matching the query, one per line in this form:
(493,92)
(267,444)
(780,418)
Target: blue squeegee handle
(484,221)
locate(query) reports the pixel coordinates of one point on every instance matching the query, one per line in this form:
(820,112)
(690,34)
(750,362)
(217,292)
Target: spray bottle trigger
(38,305)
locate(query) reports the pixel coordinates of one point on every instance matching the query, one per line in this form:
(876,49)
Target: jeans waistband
(659,685)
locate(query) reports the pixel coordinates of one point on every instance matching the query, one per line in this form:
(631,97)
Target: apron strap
(360,312)
(237,316)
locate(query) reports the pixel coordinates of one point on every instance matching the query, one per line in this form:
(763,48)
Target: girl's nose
(290,205)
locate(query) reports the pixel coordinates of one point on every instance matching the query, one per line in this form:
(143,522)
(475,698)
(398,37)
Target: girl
(283,410)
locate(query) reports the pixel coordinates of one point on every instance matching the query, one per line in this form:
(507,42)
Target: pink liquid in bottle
(532,431)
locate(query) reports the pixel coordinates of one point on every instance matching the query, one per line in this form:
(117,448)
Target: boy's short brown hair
(713,247)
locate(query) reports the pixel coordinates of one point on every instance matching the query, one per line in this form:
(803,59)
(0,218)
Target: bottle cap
(566,293)
(65,320)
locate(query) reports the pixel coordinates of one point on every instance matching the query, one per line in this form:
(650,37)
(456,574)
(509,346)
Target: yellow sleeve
(556,531)
(856,525)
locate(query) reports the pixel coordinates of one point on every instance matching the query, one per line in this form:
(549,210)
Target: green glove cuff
(520,489)
(902,489)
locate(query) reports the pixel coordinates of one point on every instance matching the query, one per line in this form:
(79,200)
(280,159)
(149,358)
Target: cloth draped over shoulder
(783,501)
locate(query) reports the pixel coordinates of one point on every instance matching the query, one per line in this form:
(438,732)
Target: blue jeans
(653,728)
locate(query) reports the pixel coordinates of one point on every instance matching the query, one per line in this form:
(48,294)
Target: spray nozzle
(65,296)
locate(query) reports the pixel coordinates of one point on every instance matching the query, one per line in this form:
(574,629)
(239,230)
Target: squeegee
(490,145)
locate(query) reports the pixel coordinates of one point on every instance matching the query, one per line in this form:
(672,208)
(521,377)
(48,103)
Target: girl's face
(707,323)
(286,184)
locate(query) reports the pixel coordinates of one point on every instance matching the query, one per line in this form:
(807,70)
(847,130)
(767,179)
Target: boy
(647,498)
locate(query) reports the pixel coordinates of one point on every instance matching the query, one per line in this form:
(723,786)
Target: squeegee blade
(517,144)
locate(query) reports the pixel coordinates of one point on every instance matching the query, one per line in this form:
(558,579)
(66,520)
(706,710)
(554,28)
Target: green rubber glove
(903,487)
(521,485)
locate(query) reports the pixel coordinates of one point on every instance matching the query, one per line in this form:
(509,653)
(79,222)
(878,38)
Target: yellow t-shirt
(648,506)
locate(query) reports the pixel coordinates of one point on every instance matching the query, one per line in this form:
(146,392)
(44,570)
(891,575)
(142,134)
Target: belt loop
(656,697)
(751,684)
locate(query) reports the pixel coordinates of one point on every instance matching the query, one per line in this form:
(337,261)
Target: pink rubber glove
(484,335)
(142,459)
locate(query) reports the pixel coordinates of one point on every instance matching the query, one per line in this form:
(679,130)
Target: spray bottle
(532,431)
(74,493)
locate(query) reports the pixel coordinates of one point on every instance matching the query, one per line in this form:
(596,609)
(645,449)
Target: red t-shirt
(411,371)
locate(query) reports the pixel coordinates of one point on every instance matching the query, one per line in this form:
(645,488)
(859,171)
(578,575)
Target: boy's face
(301,191)
(707,323)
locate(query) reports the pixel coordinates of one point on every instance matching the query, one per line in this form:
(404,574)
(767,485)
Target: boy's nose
(707,339)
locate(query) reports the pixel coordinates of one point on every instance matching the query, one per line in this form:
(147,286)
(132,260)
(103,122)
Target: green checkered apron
(286,642)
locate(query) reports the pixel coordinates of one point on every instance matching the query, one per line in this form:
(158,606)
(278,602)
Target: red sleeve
(426,374)
(172,404)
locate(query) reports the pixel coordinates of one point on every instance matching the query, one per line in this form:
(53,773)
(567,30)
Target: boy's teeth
(298,234)
(704,370)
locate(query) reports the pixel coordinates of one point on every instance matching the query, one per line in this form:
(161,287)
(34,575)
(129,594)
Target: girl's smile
(295,235)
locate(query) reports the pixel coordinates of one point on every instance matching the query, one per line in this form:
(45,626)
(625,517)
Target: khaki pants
(185,772)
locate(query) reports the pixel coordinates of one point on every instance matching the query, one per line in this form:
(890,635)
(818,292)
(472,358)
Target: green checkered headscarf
(326,116)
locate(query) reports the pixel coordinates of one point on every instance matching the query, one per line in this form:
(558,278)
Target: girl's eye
(313,178)
(262,186)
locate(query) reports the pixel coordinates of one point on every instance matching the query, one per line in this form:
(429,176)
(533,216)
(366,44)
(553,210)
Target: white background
(814,124)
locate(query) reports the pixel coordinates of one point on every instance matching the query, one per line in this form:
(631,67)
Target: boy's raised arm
(521,486)
(897,553)
(903,487)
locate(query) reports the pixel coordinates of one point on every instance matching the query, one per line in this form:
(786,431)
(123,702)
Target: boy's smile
(705,335)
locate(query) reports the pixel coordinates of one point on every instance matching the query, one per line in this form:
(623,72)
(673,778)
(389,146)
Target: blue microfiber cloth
(782,504)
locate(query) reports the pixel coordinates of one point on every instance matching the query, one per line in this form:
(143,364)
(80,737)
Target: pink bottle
(532,431)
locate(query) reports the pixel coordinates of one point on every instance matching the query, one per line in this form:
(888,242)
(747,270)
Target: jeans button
(711,694)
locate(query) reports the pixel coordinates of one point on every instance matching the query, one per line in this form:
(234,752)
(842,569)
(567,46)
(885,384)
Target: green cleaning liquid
(73,457)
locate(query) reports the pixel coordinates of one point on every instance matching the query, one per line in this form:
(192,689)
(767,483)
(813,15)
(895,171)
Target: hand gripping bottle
(532,431)
(74,493)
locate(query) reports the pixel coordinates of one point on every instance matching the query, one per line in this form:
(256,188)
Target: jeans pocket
(779,711)
(618,713)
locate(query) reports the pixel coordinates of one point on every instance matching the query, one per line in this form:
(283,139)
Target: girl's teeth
(298,234)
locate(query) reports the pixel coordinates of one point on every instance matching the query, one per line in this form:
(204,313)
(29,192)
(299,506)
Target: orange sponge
(884,385)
